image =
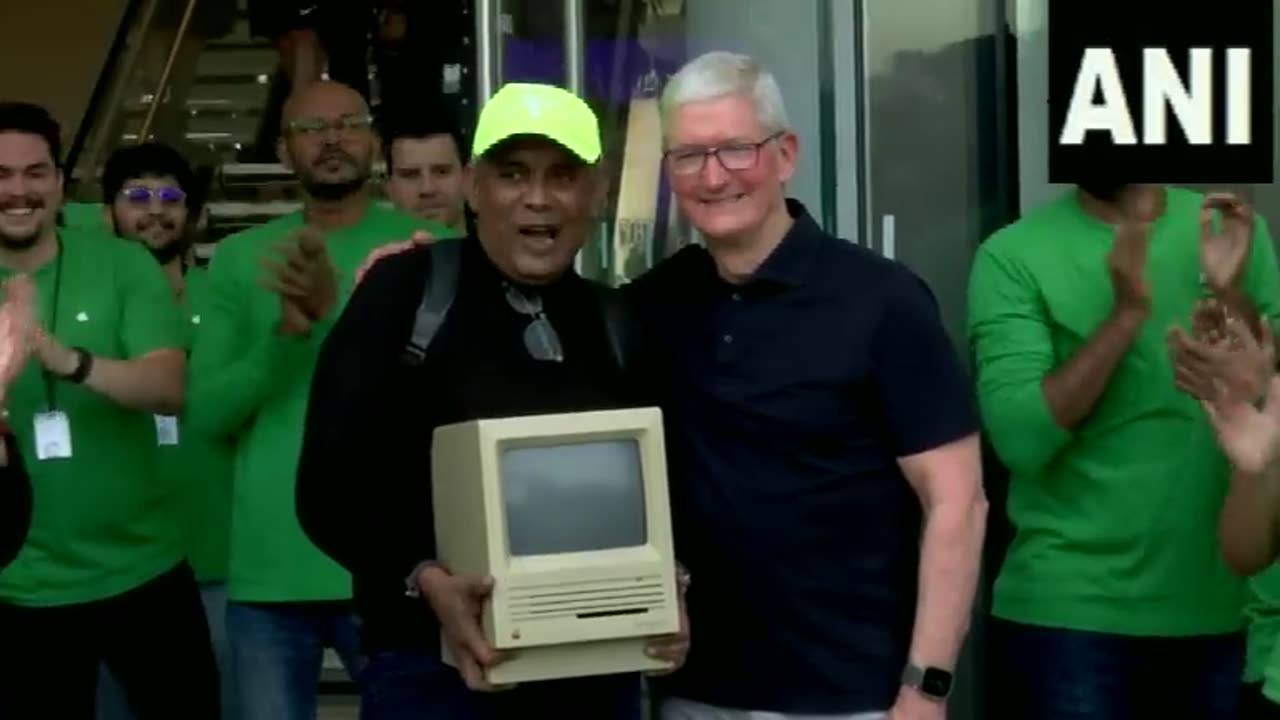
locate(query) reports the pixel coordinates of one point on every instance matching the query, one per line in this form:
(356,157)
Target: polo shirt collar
(789,262)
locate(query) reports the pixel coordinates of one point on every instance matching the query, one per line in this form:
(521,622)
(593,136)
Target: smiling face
(534,203)
(152,210)
(30,189)
(727,202)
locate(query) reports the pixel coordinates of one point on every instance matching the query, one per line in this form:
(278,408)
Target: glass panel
(940,179)
(532,48)
(632,48)
(939,143)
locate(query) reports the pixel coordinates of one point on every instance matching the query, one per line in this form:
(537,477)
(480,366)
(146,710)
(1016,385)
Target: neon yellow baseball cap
(533,109)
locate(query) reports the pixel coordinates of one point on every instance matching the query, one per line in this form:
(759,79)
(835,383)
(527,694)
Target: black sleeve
(923,389)
(15,503)
(358,497)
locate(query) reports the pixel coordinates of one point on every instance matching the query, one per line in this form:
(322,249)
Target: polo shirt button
(736,296)
(728,338)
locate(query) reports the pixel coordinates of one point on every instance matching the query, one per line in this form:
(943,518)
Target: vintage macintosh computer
(569,515)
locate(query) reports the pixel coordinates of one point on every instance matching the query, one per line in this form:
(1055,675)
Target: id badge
(166,430)
(53,435)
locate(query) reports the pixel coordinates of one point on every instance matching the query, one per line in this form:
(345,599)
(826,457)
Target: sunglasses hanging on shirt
(540,338)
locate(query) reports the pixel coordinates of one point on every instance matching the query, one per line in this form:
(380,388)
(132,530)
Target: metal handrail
(118,85)
(163,84)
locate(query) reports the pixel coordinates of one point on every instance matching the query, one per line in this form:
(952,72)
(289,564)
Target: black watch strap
(931,682)
(84,365)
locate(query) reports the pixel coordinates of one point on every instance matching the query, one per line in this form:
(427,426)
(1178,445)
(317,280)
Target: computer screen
(573,497)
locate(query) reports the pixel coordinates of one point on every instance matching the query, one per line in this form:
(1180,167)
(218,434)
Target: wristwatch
(84,365)
(933,683)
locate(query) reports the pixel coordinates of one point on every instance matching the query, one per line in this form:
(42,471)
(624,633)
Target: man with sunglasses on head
(535,183)
(148,197)
(274,293)
(101,576)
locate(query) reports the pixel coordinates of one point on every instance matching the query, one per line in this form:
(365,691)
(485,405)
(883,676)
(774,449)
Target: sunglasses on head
(167,195)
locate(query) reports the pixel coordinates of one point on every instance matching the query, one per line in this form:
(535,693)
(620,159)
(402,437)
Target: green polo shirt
(199,469)
(1116,519)
(102,521)
(251,384)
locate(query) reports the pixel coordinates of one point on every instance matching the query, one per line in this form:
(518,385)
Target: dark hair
(147,160)
(31,119)
(417,123)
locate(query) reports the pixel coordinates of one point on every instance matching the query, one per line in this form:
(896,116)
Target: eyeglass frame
(547,347)
(703,153)
(319,126)
(154,194)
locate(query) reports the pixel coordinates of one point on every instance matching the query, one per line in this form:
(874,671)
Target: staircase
(224,107)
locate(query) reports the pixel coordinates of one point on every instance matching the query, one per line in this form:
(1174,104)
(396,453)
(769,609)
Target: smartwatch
(933,683)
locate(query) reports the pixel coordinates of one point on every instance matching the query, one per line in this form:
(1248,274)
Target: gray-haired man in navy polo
(814,405)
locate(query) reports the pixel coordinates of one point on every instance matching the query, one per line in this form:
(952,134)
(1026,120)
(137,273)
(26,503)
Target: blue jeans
(410,685)
(111,702)
(277,650)
(1051,674)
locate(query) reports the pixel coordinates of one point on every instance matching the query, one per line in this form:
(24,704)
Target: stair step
(236,62)
(245,210)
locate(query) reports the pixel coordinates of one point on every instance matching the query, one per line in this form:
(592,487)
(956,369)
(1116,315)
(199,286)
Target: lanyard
(50,397)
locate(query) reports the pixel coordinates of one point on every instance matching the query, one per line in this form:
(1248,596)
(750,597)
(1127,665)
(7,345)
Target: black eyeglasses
(317,126)
(140,195)
(734,157)
(540,338)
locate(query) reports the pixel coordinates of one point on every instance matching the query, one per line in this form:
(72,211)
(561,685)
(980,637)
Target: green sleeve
(1262,277)
(151,317)
(1013,351)
(231,370)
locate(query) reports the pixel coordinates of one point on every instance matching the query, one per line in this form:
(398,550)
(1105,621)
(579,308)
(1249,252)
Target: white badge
(53,435)
(166,430)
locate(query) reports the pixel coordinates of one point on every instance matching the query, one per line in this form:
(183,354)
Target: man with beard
(1113,600)
(274,292)
(148,193)
(100,577)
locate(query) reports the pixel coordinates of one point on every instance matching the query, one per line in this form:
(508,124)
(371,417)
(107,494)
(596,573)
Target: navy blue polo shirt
(788,399)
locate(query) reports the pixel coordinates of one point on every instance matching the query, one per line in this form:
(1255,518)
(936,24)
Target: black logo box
(1129,26)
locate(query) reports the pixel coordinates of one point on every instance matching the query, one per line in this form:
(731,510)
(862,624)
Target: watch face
(936,682)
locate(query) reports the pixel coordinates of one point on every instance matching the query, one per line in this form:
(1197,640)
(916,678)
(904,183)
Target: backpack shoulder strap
(437,297)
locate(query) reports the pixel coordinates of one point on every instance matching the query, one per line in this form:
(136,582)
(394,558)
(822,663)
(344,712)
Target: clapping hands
(16,325)
(302,274)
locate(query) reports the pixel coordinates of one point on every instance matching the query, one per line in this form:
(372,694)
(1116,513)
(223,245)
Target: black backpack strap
(437,297)
(616,323)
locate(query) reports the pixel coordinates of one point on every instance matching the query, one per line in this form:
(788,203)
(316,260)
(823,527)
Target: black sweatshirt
(364,476)
(15,503)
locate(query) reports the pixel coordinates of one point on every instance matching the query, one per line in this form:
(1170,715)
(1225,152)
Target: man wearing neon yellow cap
(380,389)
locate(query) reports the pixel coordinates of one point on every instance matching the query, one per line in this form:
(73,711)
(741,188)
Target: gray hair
(717,74)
